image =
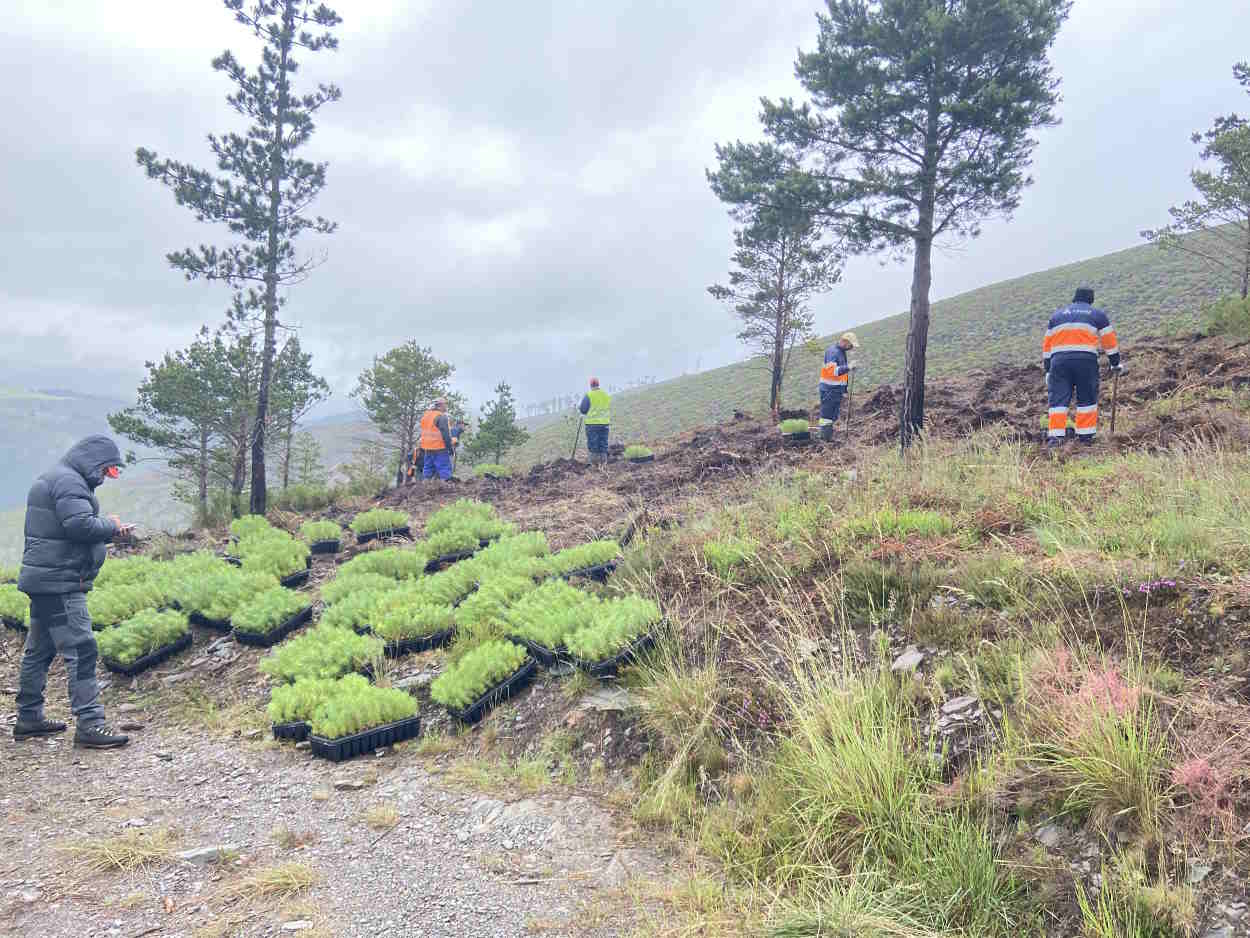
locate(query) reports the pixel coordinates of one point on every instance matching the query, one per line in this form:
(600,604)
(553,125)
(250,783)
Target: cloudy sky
(519,185)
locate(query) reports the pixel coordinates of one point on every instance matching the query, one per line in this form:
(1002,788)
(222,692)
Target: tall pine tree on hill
(265,190)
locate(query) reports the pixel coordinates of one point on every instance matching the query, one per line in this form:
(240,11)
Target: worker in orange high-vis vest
(835,376)
(436,441)
(1074,337)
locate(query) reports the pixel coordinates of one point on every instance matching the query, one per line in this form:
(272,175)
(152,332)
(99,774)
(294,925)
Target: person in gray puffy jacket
(66,543)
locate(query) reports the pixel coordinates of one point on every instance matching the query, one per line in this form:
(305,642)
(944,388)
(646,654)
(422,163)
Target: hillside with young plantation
(978,691)
(1145,290)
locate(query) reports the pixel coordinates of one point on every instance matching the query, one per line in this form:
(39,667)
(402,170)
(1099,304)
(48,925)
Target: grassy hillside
(1144,289)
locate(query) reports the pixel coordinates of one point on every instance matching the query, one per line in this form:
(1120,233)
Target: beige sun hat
(850,337)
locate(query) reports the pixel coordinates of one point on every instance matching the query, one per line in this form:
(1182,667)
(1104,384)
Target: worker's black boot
(99,736)
(23,729)
(826,433)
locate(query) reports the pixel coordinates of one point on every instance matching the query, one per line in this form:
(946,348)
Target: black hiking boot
(36,728)
(99,736)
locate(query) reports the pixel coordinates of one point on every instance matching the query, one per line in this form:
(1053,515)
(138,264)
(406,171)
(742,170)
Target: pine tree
(296,391)
(919,127)
(1216,226)
(398,387)
(497,431)
(306,459)
(780,265)
(266,190)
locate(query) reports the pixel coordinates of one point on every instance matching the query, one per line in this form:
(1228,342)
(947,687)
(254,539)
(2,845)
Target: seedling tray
(297,730)
(295,580)
(598,572)
(150,660)
(325,547)
(13,624)
(803,436)
(609,667)
(639,459)
(198,618)
(500,692)
(410,646)
(545,656)
(276,635)
(368,536)
(359,744)
(233,560)
(446,560)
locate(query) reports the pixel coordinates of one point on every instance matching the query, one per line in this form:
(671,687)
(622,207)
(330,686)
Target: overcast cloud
(519,185)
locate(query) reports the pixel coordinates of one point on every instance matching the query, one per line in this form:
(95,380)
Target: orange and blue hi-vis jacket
(1079,329)
(835,374)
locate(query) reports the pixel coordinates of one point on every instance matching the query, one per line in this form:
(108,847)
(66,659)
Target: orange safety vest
(829,375)
(431,437)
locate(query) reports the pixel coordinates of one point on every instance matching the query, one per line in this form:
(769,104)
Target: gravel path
(457,863)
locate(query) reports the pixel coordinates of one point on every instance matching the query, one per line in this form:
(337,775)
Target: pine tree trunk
(271,272)
(202,473)
(286,454)
(1245,267)
(911,412)
(779,323)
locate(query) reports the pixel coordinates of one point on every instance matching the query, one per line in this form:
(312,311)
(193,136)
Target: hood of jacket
(89,457)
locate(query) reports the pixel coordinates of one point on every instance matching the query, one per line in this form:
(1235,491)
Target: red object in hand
(113,472)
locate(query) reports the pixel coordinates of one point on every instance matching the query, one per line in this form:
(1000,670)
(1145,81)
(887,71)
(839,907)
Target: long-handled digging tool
(850,391)
(1115,395)
(577,438)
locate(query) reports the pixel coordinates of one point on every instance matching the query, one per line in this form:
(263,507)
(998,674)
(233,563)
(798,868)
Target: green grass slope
(1144,289)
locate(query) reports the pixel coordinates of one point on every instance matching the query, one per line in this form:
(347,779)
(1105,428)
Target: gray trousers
(60,624)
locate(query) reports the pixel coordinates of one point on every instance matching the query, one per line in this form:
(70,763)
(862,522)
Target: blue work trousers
(60,625)
(437,460)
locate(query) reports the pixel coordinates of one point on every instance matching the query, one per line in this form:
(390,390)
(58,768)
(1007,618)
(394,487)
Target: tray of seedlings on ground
(380,522)
(594,560)
(492,470)
(114,605)
(322,651)
(451,544)
(637,453)
(490,673)
(408,622)
(478,616)
(268,618)
(485,520)
(14,607)
(398,563)
(291,706)
(281,555)
(618,630)
(542,619)
(361,719)
(342,587)
(322,537)
(125,571)
(144,641)
(356,610)
(249,525)
(795,430)
(210,598)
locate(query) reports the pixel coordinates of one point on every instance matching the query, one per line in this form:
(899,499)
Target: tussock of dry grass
(382,817)
(272,883)
(125,852)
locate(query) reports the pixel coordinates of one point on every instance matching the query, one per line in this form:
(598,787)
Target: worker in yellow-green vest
(596,406)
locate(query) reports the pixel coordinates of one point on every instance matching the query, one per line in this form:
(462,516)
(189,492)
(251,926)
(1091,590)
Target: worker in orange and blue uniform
(835,376)
(436,441)
(1074,337)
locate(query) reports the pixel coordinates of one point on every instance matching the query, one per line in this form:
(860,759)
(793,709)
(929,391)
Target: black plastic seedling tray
(276,635)
(13,624)
(368,536)
(296,730)
(598,572)
(325,547)
(642,459)
(446,560)
(347,747)
(609,667)
(198,618)
(545,656)
(233,561)
(803,436)
(150,660)
(500,692)
(410,646)
(296,580)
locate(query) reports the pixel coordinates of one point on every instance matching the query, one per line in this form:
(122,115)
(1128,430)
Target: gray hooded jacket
(66,539)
